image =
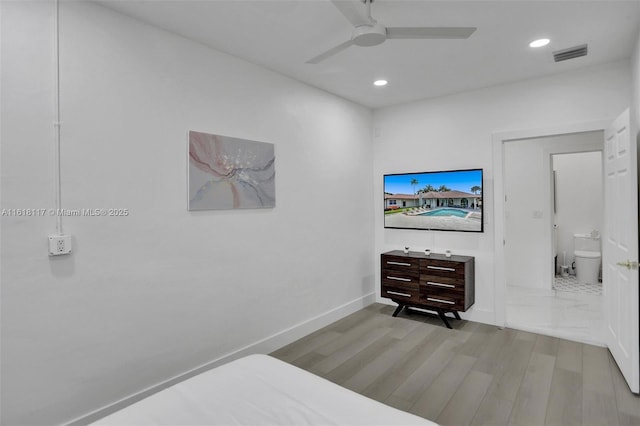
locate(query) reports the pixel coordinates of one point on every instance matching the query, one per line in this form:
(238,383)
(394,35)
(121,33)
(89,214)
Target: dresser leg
(443,318)
(456,314)
(398,309)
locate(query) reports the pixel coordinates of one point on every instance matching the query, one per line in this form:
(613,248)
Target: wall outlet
(59,244)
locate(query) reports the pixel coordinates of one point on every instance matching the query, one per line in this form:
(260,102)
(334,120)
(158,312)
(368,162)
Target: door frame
(498,141)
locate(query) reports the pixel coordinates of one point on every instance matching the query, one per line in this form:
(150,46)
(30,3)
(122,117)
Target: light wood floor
(474,374)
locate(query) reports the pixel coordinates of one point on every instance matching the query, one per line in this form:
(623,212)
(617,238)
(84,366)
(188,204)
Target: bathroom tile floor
(570,283)
(564,314)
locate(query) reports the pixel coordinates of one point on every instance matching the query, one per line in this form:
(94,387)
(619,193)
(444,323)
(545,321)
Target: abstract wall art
(230,173)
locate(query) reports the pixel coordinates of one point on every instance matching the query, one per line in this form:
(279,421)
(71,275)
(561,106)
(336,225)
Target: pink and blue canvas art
(230,173)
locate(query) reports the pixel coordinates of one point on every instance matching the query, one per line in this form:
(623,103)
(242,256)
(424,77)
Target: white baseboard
(263,346)
(480,315)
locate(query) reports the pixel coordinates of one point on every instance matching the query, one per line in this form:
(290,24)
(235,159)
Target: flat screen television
(436,201)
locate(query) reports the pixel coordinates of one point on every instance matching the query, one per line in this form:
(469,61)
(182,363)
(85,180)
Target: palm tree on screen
(414,182)
(427,188)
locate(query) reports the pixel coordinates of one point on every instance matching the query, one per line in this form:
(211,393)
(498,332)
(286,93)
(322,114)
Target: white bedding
(258,390)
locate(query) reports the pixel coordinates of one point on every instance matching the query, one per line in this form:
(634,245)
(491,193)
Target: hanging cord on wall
(56,120)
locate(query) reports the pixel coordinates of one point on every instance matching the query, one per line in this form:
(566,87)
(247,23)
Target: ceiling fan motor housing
(369,35)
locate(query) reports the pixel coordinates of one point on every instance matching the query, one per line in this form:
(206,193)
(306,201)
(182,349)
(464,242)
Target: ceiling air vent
(570,53)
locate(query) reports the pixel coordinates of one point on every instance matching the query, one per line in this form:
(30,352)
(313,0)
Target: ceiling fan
(368,32)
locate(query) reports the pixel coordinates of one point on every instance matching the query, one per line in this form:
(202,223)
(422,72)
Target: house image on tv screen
(433,199)
(446,200)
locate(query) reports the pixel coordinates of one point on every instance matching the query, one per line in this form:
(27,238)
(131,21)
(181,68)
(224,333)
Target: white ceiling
(283,34)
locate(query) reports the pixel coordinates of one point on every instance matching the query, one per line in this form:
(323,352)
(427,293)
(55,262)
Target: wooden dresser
(434,282)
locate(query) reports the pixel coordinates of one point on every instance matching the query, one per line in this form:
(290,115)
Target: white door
(620,249)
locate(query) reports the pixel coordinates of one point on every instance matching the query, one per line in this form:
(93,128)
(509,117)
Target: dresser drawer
(400,278)
(406,265)
(436,282)
(442,299)
(442,268)
(401,293)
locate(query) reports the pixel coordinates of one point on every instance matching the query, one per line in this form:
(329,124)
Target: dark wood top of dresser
(435,256)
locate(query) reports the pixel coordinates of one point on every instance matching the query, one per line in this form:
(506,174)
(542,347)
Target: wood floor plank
(398,403)
(374,369)
(569,355)
(493,411)
(356,363)
(546,345)
(596,369)
(307,361)
(599,402)
(415,337)
(418,355)
(628,420)
(465,402)
(479,338)
(525,335)
(512,371)
(565,399)
(302,347)
(350,321)
(426,373)
(361,328)
(340,356)
(436,396)
(382,388)
(599,408)
(402,327)
(493,355)
(387,378)
(530,405)
(627,403)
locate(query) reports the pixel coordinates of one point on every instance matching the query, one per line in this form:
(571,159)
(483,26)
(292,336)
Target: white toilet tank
(586,242)
(587,255)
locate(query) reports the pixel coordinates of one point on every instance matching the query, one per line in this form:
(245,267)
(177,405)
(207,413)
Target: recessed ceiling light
(380,83)
(539,43)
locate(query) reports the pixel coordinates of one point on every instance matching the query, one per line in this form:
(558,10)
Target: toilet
(587,256)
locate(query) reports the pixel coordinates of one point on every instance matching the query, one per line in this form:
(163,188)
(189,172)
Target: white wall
(529,211)
(635,65)
(146,297)
(455,132)
(579,198)
(526,189)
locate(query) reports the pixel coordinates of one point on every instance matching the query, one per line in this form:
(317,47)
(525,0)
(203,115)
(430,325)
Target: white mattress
(258,390)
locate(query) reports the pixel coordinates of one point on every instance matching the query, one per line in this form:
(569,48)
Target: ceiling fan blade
(321,57)
(353,11)
(430,32)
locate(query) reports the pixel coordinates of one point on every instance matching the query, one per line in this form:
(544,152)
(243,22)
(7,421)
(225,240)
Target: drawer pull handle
(441,285)
(398,293)
(441,268)
(408,280)
(398,263)
(441,301)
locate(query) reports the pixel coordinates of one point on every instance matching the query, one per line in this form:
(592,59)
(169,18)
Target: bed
(258,390)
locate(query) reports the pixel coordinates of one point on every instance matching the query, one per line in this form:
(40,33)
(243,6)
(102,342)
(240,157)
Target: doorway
(577,199)
(619,242)
(532,303)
